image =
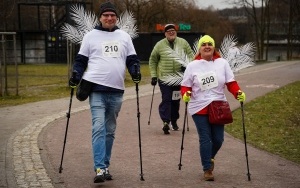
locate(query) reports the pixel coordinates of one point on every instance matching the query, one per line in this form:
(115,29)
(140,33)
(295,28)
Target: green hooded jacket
(160,62)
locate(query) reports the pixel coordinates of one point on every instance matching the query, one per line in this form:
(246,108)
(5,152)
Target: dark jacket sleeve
(133,64)
(80,64)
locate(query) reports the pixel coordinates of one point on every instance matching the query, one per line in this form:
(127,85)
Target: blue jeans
(105,107)
(211,138)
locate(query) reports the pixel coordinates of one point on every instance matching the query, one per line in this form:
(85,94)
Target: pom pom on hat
(169,26)
(107,7)
(206,39)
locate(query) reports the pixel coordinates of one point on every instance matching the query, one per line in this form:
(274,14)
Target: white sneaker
(100,172)
(99,178)
(107,175)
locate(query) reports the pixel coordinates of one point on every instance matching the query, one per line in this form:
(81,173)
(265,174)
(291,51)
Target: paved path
(32,139)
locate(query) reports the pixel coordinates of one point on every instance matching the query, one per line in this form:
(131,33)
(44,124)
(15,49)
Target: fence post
(3,65)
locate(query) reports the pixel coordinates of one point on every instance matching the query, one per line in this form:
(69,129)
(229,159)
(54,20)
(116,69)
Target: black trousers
(168,108)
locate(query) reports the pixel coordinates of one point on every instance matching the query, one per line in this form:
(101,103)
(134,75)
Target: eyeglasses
(107,15)
(171,30)
(208,44)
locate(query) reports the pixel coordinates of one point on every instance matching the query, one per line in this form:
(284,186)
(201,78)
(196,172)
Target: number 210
(111,48)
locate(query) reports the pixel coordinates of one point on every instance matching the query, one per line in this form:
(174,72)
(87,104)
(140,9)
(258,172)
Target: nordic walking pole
(187,124)
(151,105)
(246,152)
(139,124)
(66,132)
(183,130)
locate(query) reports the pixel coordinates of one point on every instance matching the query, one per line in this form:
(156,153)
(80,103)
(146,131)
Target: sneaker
(208,176)
(174,126)
(166,128)
(212,164)
(107,175)
(99,178)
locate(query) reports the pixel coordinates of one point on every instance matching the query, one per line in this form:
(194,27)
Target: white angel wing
(229,42)
(244,58)
(248,49)
(126,22)
(173,79)
(84,22)
(71,33)
(195,46)
(176,78)
(178,56)
(238,57)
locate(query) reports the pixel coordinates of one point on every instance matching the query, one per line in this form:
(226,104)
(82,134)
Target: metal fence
(8,42)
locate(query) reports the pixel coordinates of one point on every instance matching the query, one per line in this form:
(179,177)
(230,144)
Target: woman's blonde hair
(215,54)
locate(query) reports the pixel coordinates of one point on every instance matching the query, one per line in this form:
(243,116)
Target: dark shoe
(175,126)
(99,178)
(107,175)
(208,176)
(166,128)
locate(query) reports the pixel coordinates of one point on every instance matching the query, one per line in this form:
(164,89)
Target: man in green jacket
(161,64)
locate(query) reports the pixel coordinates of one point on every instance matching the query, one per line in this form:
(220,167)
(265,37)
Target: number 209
(207,80)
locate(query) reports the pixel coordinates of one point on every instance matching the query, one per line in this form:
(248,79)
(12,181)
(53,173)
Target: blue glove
(136,77)
(73,81)
(241,96)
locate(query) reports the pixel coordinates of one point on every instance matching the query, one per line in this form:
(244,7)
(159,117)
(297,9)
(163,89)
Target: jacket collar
(99,27)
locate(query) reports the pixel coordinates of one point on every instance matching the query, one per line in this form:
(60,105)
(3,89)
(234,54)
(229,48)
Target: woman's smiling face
(207,51)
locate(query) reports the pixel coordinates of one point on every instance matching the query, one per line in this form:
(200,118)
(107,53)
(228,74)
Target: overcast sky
(218,4)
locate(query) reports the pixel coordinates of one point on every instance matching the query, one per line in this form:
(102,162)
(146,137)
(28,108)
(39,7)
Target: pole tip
(179,166)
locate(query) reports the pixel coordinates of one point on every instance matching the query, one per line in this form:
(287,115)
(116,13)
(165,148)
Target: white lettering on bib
(208,80)
(111,49)
(176,95)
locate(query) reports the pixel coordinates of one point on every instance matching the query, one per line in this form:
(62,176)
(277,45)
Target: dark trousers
(168,108)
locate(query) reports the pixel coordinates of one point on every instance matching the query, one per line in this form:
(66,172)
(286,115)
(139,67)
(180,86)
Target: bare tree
(151,12)
(259,19)
(148,13)
(273,20)
(294,19)
(7,16)
(285,18)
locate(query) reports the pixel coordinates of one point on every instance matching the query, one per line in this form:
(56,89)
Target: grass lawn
(272,122)
(44,82)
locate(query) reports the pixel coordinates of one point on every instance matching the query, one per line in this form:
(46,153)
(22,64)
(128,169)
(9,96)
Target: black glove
(73,81)
(183,69)
(154,81)
(136,77)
